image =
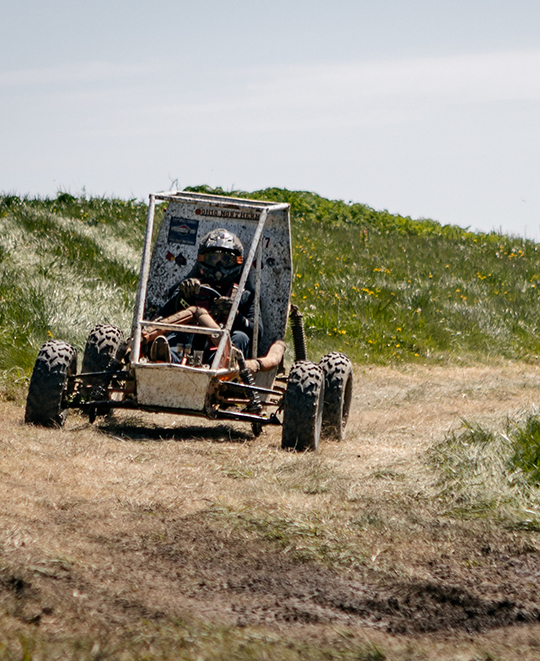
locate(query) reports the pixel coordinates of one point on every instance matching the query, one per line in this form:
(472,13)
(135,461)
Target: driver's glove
(188,289)
(221,307)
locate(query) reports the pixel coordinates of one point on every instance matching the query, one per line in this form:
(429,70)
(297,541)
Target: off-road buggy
(312,400)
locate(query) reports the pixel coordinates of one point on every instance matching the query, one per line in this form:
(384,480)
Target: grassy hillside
(387,288)
(378,286)
(65,264)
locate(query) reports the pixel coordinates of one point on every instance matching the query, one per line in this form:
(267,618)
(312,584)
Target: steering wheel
(206,290)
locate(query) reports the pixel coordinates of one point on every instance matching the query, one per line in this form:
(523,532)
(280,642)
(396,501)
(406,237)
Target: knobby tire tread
(338,375)
(56,361)
(302,407)
(104,347)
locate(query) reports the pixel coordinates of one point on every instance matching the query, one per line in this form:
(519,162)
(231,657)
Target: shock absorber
(299,336)
(255,405)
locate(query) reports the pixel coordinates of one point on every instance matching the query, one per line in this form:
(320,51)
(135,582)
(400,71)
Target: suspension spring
(299,336)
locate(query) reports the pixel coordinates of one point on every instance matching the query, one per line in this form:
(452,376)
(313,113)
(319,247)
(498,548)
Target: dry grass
(165,537)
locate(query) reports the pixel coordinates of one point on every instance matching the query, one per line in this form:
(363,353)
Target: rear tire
(105,347)
(303,407)
(338,376)
(56,361)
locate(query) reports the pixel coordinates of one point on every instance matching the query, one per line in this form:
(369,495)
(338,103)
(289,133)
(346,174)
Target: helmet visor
(223,257)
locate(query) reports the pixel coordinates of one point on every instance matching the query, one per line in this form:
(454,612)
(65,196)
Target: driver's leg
(241,341)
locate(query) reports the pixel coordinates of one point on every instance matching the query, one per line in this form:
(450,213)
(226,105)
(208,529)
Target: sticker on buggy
(183,230)
(228,213)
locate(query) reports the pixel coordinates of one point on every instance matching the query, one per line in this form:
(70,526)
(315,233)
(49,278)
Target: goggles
(225,257)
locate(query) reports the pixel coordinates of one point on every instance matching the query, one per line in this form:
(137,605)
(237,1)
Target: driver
(219,266)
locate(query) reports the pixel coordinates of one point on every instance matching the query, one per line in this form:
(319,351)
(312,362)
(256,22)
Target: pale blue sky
(428,108)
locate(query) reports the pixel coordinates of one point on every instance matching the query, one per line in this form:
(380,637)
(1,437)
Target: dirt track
(154,519)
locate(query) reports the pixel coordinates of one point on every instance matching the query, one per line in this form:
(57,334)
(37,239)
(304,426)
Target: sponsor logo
(183,230)
(228,213)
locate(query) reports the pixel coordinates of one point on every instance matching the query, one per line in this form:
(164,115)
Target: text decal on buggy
(228,213)
(183,230)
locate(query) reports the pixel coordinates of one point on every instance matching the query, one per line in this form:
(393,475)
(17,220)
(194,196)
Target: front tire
(338,377)
(303,407)
(49,384)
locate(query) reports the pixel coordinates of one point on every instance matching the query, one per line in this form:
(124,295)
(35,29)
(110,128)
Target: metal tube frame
(143,281)
(255,249)
(241,287)
(245,273)
(184,328)
(258,267)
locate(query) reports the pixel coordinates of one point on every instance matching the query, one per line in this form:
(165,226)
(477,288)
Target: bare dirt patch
(162,531)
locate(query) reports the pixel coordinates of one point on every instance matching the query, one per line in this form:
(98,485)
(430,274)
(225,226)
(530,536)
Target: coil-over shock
(299,336)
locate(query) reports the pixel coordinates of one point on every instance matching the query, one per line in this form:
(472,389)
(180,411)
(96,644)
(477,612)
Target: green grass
(383,288)
(185,641)
(526,448)
(315,536)
(492,473)
(65,264)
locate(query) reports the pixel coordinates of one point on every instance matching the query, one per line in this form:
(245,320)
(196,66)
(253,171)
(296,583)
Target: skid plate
(172,386)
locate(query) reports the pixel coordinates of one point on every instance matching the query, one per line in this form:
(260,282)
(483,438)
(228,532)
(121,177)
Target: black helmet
(221,255)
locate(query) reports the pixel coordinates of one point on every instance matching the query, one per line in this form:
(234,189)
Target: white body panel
(172,386)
